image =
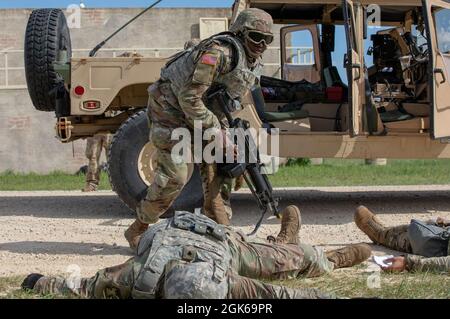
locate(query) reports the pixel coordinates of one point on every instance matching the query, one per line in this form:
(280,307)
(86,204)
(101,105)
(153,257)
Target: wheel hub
(147,164)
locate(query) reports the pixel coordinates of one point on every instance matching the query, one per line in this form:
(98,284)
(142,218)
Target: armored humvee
(396,107)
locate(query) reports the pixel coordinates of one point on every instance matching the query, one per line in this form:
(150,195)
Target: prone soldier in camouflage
(94,146)
(190,256)
(231,59)
(397,238)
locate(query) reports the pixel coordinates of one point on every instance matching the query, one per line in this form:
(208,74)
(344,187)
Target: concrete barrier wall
(27,137)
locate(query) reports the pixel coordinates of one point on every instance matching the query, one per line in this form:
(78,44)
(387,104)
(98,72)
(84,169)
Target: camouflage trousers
(250,263)
(171,173)
(94,148)
(396,238)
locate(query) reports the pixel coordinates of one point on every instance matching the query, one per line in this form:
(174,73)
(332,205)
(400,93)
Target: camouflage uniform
(176,101)
(93,152)
(208,261)
(397,238)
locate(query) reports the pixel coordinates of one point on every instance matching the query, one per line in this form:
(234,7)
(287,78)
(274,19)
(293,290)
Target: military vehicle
(396,107)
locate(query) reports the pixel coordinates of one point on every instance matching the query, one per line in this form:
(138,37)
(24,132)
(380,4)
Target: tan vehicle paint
(118,86)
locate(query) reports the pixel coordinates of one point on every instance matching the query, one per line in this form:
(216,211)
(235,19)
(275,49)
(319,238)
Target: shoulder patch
(209,59)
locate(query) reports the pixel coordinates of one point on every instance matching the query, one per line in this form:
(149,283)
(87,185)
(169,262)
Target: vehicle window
(339,51)
(299,48)
(368,43)
(442,21)
(421,40)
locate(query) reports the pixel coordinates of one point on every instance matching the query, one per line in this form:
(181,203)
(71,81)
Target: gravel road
(50,232)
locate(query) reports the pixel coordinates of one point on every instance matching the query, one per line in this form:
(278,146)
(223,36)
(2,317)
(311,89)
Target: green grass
(10,289)
(350,283)
(356,173)
(332,173)
(10,181)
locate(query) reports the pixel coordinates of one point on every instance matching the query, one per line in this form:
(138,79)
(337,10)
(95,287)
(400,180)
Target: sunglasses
(258,37)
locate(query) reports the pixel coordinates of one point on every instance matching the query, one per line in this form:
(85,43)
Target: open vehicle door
(300,63)
(438,33)
(353,63)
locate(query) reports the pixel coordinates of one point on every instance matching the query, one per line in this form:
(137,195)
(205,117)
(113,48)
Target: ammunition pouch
(199,225)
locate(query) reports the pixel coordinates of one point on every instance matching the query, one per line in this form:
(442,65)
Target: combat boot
(134,232)
(291,222)
(90,187)
(369,223)
(349,256)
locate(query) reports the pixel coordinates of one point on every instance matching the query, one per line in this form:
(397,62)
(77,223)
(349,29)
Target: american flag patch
(209,59)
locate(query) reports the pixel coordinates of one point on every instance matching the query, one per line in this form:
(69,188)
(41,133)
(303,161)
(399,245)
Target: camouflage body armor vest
(180,68)
(189,237)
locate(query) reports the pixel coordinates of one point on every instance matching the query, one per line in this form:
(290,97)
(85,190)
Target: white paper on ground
(381,260)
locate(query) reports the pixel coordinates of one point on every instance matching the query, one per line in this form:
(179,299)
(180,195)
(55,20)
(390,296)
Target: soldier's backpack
(428,240)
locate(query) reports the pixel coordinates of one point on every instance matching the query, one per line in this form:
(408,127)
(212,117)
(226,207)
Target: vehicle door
(300,53)
(352,62)
(438,33)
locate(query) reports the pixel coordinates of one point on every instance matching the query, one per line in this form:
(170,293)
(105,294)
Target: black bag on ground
(428,240)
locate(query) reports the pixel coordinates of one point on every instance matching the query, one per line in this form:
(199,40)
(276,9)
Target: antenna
(101,44)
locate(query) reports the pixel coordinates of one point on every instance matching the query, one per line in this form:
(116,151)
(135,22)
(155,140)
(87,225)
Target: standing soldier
(231,59)
(94,147)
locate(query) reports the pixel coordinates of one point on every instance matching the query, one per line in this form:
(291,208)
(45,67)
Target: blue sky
(112,3)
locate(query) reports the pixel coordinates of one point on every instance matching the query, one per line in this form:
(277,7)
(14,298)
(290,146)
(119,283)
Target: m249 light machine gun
(257,182)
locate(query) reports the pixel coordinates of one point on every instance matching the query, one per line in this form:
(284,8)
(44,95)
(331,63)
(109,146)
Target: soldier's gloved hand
(31,281)
(239,183)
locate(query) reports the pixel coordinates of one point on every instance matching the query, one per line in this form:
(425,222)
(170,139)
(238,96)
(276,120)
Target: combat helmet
(252,19)
(254,27)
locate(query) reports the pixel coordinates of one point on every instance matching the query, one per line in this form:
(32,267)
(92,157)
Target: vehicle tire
(46,34)
(126,172)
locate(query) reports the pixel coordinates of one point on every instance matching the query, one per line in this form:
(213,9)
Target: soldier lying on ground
(399,238)
(191,256)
